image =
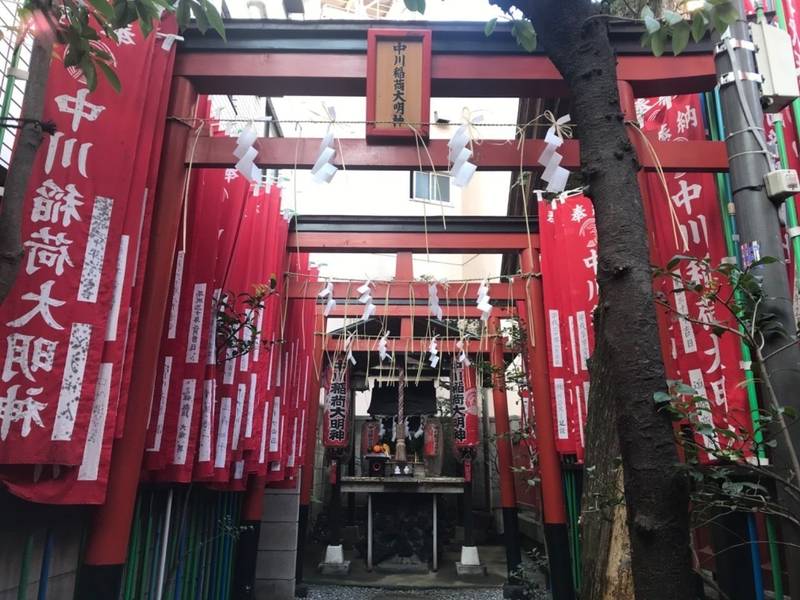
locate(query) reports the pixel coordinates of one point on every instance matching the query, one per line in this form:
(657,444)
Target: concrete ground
(335,592)
(445,578)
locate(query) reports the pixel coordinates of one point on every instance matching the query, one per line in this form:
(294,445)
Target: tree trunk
(28,141)
(606,548)
(628,365)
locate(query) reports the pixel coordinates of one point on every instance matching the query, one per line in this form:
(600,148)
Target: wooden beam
(476,76)
(490,155)
(456,291)
(415,346)
(435,243)
(420,311)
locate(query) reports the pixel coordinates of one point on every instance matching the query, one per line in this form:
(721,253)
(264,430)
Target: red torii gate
(280,58)
(407,300)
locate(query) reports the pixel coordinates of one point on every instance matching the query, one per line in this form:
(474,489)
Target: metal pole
(369,532)
(435,531)
(162,562)
(759,235)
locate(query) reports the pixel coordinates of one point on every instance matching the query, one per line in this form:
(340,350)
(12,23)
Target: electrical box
(775,60)
(781,184)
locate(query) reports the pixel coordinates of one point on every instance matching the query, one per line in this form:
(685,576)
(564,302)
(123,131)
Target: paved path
(342,592)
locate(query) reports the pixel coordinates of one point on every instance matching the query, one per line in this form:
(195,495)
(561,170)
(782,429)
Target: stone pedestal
(277,545)
(470,563)
(334,562)
(402,564)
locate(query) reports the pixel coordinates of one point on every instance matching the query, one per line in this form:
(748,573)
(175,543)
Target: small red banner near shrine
(336,422)
(398,84)
(464,402)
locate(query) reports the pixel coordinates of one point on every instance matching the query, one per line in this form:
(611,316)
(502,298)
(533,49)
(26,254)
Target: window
(430,187)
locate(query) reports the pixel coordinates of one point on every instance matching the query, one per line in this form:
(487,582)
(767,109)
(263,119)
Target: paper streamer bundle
(554,174)
(246,154)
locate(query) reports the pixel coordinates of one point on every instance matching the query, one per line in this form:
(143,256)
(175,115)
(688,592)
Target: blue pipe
(755,555)
(44,573)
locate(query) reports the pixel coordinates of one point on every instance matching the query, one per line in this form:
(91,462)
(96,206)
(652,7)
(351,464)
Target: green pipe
(151,555)
(22,588)
(219,547)
(9,92)
(774,558)
(190,588)
(150,537)
(133,552)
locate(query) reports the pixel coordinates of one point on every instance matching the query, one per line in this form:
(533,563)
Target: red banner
(687,220)
(78,220)
(464,404)
(79,152)
(569,266)
(336,419)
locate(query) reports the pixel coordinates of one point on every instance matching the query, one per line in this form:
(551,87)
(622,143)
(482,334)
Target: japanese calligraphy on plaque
(336,424)
(464,405)
(398,84)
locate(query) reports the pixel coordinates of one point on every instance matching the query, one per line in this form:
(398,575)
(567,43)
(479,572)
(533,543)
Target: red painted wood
(453,75)
(107,542)
(549,462)
(505,461)
(436,243)
(253,504)
(412,346)
(420,311)
(382,132)
(490,155)
(307,477)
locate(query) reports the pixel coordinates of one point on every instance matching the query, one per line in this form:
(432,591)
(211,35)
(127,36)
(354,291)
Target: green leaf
(200,16)
(416,6)
(490,26)
(726,11)
(680,37)
(89,72)
(698,26)
(657,42)
(671,17)
(111,76)
(718,330)
(103,7)
(523,32)
(765,260)
(183,14)
(646,13)
(214,19)
(651,24)
(674,262)
(662,398)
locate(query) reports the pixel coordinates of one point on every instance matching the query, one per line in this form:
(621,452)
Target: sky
(436,10)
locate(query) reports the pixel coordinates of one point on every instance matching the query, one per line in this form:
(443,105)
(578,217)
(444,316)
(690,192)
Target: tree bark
(628,365)
(606,548)
(28,141)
